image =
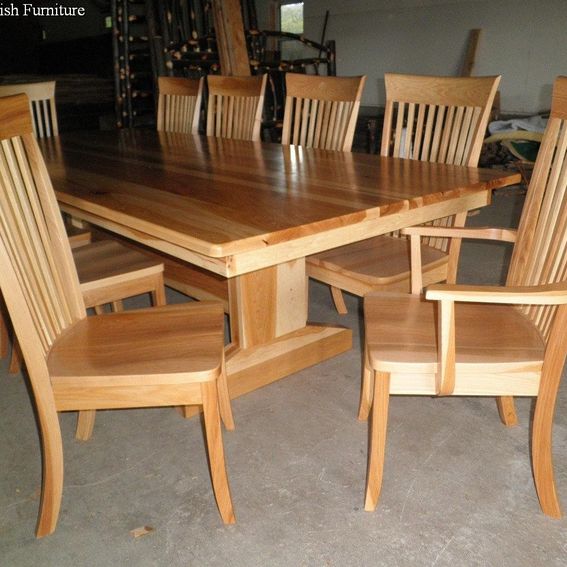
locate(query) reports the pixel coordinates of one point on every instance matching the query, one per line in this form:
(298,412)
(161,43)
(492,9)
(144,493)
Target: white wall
(524,40)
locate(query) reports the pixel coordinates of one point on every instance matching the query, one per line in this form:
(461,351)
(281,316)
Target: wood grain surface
(220,198)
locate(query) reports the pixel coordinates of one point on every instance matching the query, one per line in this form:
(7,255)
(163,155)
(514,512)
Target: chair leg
(3,335)
(377,447)
(224,400)
(85,425)
(117,306)
(99,309)
(339,300)
(158,295)
(52,482)
(366,391)
(542,458)
(16,358)
(507,410)
(213,436)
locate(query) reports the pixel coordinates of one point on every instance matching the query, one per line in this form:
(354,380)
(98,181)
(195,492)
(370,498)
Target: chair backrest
(41,98)
(38,278)
(235,106)
(179,104)
(540,252)
(321,112)
(437,119)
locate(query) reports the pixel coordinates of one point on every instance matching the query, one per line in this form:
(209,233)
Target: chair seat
(381,261)
(107,261)
(401,334)
(173,344)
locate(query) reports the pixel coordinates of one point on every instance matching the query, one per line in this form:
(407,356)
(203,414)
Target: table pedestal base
(252,368)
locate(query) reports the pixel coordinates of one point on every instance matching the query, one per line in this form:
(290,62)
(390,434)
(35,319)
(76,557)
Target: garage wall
(524,40)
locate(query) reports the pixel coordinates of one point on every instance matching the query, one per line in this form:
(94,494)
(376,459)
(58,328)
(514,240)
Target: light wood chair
(235,106)
(437,119)
(179,104)
(42,105)
(171,355)
(472,340)
(321,112)
(108,271)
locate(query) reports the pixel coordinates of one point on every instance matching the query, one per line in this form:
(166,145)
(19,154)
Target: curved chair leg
(339,300)
(99,309)
(366,391)
(52,482)
(377,448)
(213,435)
(542,459)
(3,335)
(16,358)
(85,425)
(224,400)
(507,410)
(117,306)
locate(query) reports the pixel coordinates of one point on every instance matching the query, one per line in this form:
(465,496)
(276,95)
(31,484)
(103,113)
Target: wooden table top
(223,197)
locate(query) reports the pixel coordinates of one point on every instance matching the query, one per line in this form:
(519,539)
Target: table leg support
(270,335)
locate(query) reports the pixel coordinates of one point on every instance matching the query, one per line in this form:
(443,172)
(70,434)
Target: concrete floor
(458,486)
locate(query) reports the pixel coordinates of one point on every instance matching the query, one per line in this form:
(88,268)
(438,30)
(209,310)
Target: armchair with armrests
(427,118)
(482,341)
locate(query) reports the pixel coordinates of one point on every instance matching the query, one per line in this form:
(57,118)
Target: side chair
(321,112)
(163,356)
(235,106)
(179,104)
(41,98)
(108,271)
(464,340)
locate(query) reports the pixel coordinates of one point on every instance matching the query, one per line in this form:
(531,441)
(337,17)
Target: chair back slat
(321,112)
(179,104)
(437,119)
(41,98)
(235,107)
(34,237)
(540,252)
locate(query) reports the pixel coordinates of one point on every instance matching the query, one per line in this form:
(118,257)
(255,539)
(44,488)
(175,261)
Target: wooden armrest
(547,294)
(416,232)
(481,233)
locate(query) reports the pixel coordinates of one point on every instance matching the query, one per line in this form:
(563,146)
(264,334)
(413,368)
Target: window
(291,17)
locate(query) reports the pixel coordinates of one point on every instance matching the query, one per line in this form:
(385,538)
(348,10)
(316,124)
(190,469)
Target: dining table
(252,212)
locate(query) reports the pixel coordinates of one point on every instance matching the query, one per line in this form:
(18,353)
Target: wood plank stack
(133,76)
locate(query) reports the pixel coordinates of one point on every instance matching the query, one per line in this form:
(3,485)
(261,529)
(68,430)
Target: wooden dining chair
(170,355)
(436,119)
(41,98)
(179,104)
(321,112)
(109,272)
(483,341)
(235,106)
